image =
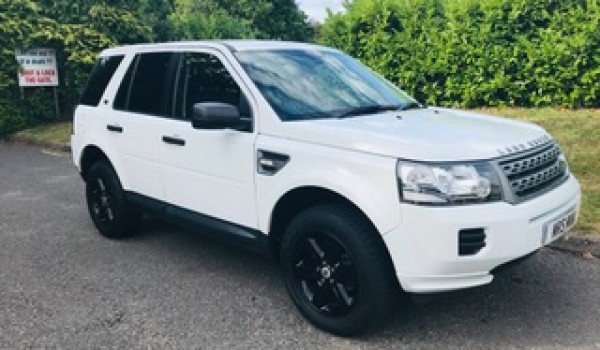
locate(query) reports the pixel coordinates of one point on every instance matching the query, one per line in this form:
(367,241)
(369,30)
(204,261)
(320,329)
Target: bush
(471,53)
(11,118)
(77,32)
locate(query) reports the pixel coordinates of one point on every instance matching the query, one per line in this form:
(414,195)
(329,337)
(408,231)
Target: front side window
(305,84)
(203,78)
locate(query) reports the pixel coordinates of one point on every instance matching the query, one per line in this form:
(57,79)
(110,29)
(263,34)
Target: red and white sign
(38,67)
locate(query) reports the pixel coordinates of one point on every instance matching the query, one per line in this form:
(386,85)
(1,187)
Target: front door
(209,171)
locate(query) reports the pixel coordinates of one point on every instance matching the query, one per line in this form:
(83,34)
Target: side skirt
(220,230)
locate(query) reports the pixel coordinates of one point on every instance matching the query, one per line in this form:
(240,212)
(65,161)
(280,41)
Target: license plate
(559,225)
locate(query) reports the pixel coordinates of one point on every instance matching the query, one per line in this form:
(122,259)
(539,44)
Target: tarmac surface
(62,285)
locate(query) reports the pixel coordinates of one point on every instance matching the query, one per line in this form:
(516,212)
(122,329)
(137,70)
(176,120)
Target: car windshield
(310,84)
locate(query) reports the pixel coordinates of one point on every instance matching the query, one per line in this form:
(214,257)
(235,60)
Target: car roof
(234,45)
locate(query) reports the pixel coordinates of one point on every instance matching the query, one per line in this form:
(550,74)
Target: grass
(55,132)
(577,131)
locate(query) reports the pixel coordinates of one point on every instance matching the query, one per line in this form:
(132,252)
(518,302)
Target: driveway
(63,285)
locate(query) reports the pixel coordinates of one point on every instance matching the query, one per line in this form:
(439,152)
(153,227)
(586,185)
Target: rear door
(89,122)
(141,107)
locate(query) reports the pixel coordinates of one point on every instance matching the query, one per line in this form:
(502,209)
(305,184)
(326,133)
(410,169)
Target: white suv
(301,151)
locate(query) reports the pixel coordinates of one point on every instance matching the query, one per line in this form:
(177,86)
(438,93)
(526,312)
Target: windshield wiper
(366,110)
(411,105)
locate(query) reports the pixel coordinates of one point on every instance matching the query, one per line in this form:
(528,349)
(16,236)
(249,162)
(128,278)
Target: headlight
(448,183)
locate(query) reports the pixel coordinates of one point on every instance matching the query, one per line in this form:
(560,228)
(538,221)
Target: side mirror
(215,115)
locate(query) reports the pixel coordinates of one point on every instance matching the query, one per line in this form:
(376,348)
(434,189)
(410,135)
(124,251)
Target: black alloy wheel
(112,215)
(101,201)
(325,272)
(337,270)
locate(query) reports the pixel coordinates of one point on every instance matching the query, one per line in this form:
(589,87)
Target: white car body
(356,158)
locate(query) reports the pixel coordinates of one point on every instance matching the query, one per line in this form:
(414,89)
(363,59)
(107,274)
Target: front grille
(534,172)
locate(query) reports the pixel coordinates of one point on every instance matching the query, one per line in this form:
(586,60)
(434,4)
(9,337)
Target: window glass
(100,76)
(150,84)
(305,84)
(203,78)
(123,92)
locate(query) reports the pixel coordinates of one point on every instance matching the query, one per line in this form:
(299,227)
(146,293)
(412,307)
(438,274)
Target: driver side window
(203,78)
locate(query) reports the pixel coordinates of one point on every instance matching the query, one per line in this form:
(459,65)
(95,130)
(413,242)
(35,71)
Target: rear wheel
(336,270)
(112,215)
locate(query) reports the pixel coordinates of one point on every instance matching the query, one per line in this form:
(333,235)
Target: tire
(337,270)
(112,215)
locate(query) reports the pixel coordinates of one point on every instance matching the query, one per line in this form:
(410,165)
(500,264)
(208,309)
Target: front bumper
(424,247)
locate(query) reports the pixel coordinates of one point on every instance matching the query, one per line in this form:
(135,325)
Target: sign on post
(38,67)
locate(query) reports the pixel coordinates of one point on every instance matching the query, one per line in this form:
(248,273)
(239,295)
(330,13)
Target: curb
(53,146)
(583,245)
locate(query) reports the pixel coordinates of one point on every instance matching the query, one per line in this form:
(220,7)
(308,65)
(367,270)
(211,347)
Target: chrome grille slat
(533,172)
(531,162)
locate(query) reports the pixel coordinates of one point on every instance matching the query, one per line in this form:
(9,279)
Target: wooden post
(56,107)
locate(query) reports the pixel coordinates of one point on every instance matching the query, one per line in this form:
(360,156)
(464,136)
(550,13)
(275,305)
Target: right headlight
(448,183)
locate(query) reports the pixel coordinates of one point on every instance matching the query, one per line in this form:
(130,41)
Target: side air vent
(269,163)
(470,241)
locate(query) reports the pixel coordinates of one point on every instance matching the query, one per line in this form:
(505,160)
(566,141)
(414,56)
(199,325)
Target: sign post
(39,69)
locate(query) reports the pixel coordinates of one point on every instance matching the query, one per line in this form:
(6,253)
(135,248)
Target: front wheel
(337,270)
(109,210)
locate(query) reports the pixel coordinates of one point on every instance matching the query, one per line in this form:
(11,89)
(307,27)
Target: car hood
(431,134)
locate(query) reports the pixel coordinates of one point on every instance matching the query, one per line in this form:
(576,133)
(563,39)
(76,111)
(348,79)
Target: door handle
(114,128)
(173,141)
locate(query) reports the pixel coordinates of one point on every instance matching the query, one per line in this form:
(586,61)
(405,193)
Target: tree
(193,20)
(217,19)
(274,19)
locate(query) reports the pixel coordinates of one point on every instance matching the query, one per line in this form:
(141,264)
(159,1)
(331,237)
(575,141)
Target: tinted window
(123,93)
(150,84)
(203,78)
(99,78)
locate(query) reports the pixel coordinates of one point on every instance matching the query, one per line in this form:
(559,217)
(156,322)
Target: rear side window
(123,93)
(100,76)
(150,85)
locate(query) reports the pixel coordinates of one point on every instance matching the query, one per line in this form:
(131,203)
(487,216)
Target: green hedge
(472,53)
(77,31)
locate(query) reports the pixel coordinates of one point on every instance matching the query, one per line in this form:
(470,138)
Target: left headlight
(448,183)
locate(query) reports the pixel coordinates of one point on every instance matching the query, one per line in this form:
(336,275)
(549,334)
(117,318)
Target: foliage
(478,52)
(206,20)
(273,19)
(11,118)
(78,31)
(236,19)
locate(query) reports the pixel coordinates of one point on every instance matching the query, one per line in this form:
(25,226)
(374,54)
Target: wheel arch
(89,156)
(301,198)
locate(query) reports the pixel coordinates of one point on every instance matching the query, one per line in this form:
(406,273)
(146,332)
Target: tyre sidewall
(367,258)
(121,225)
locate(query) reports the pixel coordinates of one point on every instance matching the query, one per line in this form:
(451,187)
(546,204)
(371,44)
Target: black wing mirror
(215,115)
